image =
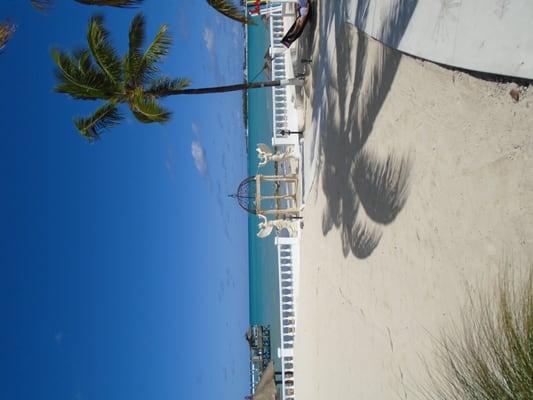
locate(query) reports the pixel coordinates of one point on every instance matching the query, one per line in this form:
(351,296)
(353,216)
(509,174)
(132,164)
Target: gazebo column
(291,196)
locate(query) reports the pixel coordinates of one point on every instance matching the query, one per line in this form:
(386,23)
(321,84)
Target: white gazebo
(276,195)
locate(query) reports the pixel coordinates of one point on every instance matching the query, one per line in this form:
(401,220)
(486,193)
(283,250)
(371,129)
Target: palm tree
(6,31)
(112,3)
(97,73)
(43,5)
(229,10)
(225,7)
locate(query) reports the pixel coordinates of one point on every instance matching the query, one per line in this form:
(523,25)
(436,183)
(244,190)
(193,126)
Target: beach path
(419,185)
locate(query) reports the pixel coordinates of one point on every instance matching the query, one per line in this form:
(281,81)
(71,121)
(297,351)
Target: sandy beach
(419,186)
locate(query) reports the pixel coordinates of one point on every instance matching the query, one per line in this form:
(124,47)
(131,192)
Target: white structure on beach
(266,155)
(286,125)
(285,119)
(286,142)
(289,266)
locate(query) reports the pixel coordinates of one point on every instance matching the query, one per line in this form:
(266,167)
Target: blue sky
(123,264)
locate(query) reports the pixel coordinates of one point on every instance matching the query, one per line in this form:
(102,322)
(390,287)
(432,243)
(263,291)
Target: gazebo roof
(246,194)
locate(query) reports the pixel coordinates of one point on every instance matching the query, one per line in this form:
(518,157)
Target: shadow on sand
(350,87)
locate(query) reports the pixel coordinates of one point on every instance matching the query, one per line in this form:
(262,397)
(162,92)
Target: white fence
(288,264)
(285,120)
(282,96)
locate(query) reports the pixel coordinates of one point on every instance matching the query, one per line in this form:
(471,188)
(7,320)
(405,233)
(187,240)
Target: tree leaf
(158,49)
(102,50)
(229,10)
(6,31)
(132,60)
(112,3)
(104,118)
(147,111)
(78,78)
(41,5)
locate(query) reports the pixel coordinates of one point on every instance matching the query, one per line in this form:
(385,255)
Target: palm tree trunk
(240,86)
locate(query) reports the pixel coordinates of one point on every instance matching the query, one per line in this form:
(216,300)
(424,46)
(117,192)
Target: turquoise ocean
(264,298)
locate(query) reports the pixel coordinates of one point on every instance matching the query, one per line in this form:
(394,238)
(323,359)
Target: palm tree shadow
(364,239)
(353,97)
(382,187)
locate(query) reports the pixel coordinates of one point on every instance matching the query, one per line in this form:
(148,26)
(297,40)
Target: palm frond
(137,33)
(78,78)
(104,118)
(147,111)
(229,10)
(166,86)
(102,50)
(41,5)
(112,3)
(6,31)
(82,58)
(153,54)
(132,59)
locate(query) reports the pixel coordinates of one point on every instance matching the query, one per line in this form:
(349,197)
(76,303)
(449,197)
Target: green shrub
(490,355)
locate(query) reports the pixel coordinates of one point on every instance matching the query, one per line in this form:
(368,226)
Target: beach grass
(489,355)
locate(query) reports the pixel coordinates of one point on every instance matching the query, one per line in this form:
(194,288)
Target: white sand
(366,324)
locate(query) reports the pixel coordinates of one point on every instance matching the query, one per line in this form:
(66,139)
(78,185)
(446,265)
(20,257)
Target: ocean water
(264,298)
